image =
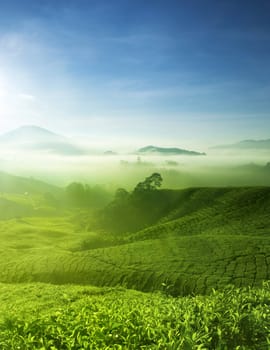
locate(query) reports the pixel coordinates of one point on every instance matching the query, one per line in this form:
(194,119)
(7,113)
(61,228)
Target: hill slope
(206,239)
(136,212)
(20,185)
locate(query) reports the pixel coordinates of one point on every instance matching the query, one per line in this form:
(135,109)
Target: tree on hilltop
(152,182)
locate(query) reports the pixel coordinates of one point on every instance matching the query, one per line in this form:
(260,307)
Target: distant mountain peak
(32,127)
(246,144)
(34,138)
(167,151)
(31,130)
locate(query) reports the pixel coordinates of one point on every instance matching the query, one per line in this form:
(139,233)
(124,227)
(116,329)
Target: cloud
(146,90)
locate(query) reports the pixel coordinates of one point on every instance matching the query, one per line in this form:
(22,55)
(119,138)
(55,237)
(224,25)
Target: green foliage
(10,209)
(130,212)
(87,318)
(135,211)
(84,196)
(204,238)
(96,240)
(27,205)
(201,208)
(76,193)
(189,265)
(180,243)
(151,183)
(121,194)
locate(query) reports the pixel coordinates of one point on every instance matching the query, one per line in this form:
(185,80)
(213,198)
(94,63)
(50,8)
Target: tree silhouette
(150,183)
(76,193)
(121,194)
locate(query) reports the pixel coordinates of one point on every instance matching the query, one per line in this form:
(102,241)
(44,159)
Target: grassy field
(80,317)
(181,248)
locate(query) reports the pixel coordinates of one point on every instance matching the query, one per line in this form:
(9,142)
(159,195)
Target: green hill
(198,239)
(185,265)
(210,207)
(26,197)
(22,185)
(10,209)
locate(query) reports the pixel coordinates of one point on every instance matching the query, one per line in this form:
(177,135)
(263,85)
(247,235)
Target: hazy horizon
(122,145)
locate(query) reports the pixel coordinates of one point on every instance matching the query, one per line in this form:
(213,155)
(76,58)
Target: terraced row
(180,265)
(207,221)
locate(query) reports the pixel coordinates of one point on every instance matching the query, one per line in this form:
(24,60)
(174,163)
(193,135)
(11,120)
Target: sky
(178,73)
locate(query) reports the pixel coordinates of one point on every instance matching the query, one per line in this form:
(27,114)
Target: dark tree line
(130,211)
(83,195)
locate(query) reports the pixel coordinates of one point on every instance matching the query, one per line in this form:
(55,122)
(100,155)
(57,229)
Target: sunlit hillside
(193,240)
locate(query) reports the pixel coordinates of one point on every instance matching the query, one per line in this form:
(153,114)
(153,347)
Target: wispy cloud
(145,89)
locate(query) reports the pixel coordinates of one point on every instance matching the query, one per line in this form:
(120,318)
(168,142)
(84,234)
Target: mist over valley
(34,151)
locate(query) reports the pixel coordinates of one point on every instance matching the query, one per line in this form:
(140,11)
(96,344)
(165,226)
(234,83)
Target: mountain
(153,150)
(33,138)
(247,144)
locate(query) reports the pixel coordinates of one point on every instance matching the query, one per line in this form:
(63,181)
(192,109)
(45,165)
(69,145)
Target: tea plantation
(76,317)
(223,240)
(202,255)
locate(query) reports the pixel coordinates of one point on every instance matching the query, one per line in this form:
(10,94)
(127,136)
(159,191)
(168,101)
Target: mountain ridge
(246,144)
(167,151)
(35,138)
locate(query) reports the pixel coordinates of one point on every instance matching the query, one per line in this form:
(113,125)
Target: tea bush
(125,319)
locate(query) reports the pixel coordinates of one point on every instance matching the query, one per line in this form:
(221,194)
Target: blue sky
(171,72)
